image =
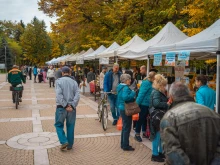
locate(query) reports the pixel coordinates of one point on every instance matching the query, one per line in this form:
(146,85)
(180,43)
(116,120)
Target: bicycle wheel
(16,100)
(104,117)
(100,107)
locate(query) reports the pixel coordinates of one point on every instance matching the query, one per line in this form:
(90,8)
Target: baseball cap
(65,69)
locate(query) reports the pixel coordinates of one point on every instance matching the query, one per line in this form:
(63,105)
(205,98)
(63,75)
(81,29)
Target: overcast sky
(16,10)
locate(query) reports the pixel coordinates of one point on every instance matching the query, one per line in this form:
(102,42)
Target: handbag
(132,108)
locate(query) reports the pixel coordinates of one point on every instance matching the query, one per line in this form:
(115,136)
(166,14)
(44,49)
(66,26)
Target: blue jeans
(126,129)
(60,116)
(142,119)
(156,144)
(113,106)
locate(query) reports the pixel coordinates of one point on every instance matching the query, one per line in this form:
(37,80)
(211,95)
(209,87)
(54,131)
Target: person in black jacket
(90,75)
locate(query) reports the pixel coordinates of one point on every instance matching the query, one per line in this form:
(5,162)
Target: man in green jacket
(15,78)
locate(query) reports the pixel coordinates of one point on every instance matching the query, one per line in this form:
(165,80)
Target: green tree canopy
(35,42)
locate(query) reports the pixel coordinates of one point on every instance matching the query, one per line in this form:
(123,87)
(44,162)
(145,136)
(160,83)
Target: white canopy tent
(136,40)
(92,56)
(73,57)
(89,51)
(203,43)
(168,35)
(113,46)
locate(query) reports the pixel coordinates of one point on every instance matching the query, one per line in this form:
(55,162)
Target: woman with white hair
(159,101)
(125,94)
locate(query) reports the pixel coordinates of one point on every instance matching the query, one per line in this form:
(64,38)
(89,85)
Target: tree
(36,43)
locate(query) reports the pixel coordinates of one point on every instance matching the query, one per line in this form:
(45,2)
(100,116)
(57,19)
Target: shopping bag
(119,124)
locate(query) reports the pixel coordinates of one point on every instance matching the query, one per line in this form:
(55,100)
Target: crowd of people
(188,133)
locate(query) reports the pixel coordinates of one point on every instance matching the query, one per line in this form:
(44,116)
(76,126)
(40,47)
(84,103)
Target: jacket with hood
(124,94)
(15,77)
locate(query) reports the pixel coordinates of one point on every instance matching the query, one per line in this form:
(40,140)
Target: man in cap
(15,78)
(67,98)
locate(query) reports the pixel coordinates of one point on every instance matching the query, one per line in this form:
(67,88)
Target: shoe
(130,148)
(145,136)
(69,148)
(134,128)
(162,155)
(50,86)
(13,101)
(138,138)
(63,146)
(156,159)
(20,100)
(114,122)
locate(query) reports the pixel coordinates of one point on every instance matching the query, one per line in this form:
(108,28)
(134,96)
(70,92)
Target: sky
(25,10)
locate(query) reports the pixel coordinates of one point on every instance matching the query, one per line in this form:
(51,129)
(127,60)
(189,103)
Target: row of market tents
(204,45)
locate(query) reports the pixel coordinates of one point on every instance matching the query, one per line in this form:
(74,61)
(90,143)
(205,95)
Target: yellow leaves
(210,61)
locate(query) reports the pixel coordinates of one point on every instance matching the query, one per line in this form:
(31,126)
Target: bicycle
(15,95)
(103,110)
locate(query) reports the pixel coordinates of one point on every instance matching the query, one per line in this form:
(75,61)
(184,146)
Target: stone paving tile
(47,112)
(10,103)
(15,113)
(46,101)
(100,151)
(82,127)
(10,129)
(9,156)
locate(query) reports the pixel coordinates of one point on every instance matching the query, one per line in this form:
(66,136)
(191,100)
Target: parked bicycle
(103,110)
(15,95)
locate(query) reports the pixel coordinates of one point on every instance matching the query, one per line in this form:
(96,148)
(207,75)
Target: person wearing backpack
(158,101)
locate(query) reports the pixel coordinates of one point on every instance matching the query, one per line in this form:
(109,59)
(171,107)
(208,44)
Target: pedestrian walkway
(27,134)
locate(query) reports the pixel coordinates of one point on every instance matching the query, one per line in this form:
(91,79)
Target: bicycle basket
(16,88)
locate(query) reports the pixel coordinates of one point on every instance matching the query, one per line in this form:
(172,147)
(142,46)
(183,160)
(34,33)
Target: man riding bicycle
(15,78)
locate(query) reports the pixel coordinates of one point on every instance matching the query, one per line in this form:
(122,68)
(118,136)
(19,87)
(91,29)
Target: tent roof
(136,40)
(77,55)
(92,56)
(167,35)
(205,41)
(113,46)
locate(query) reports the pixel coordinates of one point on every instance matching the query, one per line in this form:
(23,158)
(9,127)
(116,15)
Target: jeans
(60,116)
(51,79)
(113,106)
(126,129)
(142,119)
(35,76)
(156,144)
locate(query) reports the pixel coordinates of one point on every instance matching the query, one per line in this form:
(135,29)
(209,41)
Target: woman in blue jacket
(143,100)
(125,94)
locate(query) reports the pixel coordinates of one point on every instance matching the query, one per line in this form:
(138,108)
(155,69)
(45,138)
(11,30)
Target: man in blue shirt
(111,81)
(205,95)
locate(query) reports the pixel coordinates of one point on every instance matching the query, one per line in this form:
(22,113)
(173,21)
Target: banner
(104,61)
(79,61)
(158,59)
(170,59)
(184,56)
(133,63)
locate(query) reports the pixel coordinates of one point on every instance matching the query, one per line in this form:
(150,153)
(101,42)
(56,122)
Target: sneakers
(63,146)
(69,148)
(130,148)
(162,155)
(114,122)
(157,158)
(138,138)
(20,100)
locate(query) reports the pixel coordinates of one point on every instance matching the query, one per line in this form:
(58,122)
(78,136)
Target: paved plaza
(28,137)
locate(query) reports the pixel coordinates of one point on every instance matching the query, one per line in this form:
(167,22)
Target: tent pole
(217,83)
(148,65)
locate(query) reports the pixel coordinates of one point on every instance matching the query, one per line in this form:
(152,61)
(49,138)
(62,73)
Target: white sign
(2,66)
(79,61)
(104,61)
